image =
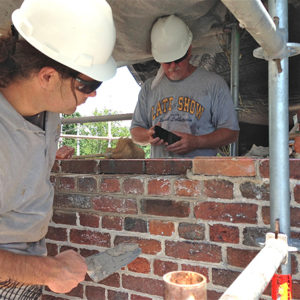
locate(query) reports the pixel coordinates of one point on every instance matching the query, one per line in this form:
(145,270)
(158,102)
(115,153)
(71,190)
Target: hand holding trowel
(103,264)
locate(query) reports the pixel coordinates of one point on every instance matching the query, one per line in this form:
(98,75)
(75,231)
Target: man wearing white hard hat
(191,102)
(56,57)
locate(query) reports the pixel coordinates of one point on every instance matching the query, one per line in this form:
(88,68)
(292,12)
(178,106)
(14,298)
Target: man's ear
(48,77)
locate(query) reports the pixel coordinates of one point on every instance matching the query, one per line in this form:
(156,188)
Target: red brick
(133,186)
(112,280)
(294,211)
(114,295)
(65,248)
(57,234)
(116,205)
(79,166)
(180,209)
(224,234)
(159,187)
(112,222)
(72,201)
(64,152)
(240,257)
(188,188)
(227,212)
(52,249)
(218,189)
(143,285)
(110,185)
(223,277)
(295,168)
(122,166)
(95,292)
(87,237)
(158,227)
(137,297)
(56,167)
(190,231)
(66,183)
(147,246)
(87,252)
(135,225)
(265,211)
(226,166)
(64,218)
(160,267)
(213,295)
(167,166)
(139,265)
(297,193)
(251,190)
(264,168)
(198,269)
(194,251)
(296,289)
(294,165)
(89,220)
(87,184)
(76,292)
(295,216)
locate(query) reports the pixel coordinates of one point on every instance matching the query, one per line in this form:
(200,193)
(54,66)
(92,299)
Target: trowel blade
(103,264)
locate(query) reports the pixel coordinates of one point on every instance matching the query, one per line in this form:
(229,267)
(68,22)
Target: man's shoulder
(210,77)
(208,74)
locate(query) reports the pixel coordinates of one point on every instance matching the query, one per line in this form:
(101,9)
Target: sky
(119,94)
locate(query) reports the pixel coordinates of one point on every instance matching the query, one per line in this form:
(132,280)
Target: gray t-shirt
(27,154)
(198,104)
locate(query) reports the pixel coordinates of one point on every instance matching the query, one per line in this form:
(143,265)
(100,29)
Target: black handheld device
(165,135)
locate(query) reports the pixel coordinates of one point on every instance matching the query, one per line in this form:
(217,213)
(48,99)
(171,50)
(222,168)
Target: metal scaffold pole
(279,130)
(234,80)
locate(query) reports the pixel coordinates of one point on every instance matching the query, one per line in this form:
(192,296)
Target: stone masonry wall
(201,215)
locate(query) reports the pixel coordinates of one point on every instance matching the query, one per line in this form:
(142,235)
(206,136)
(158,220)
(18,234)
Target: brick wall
(201,215)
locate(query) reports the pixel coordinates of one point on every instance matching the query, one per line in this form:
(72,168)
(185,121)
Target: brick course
(202,215)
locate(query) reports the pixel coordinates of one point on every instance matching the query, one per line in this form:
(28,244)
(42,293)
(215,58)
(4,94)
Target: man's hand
(70,269)
(143,136)
(187,143)
(155,141)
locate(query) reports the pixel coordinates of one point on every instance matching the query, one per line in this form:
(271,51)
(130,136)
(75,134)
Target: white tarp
(134,19)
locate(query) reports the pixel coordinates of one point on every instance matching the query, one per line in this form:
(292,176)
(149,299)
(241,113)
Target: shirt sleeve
(141,114)
(223,112)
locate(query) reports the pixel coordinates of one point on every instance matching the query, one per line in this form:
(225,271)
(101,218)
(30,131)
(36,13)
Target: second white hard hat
(170,39)
(79,34)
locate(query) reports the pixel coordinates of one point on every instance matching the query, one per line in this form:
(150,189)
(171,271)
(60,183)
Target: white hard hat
(77,33)
(170,39)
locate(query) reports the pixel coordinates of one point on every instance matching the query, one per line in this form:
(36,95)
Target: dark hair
(18,59)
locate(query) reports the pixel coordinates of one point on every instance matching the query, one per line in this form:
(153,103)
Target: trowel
(103,264)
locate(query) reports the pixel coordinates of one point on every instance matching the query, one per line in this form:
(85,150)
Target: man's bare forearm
(60,273)
(24,268)
(218,138)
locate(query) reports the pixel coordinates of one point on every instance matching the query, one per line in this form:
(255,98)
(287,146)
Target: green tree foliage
(96,146)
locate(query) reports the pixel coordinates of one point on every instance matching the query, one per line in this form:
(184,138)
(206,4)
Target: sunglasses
(87,86)
(177,61)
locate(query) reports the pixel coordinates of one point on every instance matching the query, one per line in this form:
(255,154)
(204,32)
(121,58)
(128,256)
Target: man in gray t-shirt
(192,103)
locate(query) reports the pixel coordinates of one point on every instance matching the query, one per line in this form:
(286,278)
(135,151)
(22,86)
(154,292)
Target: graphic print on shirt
(183,104)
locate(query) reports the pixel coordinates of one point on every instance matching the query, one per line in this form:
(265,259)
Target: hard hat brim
(99,72)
